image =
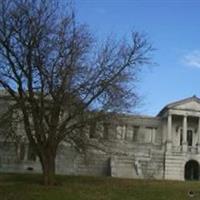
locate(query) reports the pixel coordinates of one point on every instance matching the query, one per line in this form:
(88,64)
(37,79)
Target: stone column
(198,135)
(169,132)
(184,143)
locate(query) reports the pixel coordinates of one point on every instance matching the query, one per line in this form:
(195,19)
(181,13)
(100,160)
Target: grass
(29,187)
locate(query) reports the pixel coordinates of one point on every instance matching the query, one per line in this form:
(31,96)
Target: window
(92,132)
(22,151)
(129,133)
(189,137)
(105,131)
(181,137)
(135,133)
(148,134)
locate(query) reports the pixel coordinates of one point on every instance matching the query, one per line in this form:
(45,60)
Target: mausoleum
(166,146)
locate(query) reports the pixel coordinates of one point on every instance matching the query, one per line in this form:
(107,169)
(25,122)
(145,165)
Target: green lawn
(28,187)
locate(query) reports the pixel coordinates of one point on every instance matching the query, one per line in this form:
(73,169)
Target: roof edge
(175,103)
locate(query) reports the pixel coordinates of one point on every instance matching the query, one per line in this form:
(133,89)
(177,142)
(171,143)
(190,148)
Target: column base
(168,145)
(198,147)
(184,147)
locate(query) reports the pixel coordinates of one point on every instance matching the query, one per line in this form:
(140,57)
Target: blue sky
(173,27)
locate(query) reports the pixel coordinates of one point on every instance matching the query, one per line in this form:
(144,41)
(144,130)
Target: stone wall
(131,146)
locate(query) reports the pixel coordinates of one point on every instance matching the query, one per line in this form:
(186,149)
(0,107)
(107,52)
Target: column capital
(169,113)
(169,116)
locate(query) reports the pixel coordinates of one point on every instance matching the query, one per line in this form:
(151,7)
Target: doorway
(192,170)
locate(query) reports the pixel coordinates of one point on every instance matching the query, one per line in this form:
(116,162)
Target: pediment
(192,105)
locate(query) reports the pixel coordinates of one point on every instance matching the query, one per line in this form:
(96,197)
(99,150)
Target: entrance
(192,170)
(189,137)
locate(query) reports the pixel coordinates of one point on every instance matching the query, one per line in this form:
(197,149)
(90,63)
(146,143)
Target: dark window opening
(181,137)
(22,151)
(105,131)
(92,131)
(189,137)
(135,133)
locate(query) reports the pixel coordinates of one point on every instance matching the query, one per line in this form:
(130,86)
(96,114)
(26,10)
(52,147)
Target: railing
(190,149)
(177,148)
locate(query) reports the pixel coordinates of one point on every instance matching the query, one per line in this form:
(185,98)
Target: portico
(181,131)
(186,133)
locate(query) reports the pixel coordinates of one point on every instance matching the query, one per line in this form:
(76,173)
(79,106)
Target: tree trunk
(48,167)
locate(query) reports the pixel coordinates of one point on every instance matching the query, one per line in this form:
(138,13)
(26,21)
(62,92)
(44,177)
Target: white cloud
(192,59)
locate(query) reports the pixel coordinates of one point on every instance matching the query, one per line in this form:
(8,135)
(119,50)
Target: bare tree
(59,77)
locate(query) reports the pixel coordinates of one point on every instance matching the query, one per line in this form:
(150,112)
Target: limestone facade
(163,147)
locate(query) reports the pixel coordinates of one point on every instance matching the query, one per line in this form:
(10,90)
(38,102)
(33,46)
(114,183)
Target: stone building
(163,147)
